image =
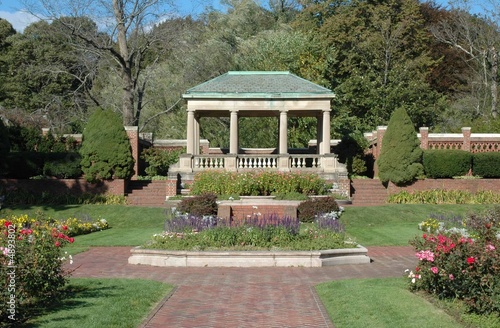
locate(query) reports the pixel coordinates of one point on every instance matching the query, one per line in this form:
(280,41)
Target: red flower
(71,240)
(7,223)
(65,227)
(471,260)
(57,243)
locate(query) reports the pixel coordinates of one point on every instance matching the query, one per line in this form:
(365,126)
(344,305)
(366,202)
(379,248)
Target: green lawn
(101,303)
(394,225)
(380,303)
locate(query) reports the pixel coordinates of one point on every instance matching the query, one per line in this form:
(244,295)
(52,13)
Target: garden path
(240,297)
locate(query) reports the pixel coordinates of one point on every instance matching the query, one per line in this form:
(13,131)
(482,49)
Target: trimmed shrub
(446,163)
(159,160)
(308,210)
(106,151)
(400,158)
(62,165)
(486,165)
(205,204)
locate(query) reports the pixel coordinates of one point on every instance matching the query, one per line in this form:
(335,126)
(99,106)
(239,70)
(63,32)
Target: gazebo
(238,94)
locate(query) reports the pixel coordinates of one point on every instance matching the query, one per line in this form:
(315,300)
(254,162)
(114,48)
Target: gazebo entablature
(259,94)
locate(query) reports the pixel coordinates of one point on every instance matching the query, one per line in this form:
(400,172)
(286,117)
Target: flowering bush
(466,266)
(31,259)
(262,183)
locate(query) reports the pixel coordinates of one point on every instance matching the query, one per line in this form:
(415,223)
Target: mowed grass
(395,224)
(380,303)
(130,225)
(101,303)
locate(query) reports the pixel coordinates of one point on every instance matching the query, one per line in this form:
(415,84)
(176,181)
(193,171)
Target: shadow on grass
(72,297)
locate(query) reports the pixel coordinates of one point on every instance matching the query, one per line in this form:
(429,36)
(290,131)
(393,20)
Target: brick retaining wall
(65,186)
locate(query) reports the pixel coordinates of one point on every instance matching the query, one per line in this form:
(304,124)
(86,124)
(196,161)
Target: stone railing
(305,161)
(242,162)
(257,161)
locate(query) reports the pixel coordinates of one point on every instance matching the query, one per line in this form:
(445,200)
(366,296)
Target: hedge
(486,165)
(446,163)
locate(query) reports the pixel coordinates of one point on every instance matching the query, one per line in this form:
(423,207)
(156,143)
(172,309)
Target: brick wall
(65,186)
(242,211)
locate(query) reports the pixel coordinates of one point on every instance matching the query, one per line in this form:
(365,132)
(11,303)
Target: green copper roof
(258,84)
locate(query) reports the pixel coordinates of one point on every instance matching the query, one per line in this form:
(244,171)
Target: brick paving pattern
(240,297)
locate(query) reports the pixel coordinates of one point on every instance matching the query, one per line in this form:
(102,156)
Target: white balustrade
(305,162)
(208,162)
(257,162)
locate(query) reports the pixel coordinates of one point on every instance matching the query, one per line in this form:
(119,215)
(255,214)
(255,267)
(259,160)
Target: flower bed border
(309,259)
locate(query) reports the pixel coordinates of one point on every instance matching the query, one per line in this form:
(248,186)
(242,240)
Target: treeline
(440,65)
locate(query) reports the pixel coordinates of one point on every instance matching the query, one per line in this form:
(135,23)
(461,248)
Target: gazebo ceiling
(258,85)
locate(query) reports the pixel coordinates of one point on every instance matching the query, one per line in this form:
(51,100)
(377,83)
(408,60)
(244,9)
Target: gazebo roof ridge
(258,85)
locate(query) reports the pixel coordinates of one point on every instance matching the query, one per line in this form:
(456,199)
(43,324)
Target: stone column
(319,134)
(190,132)
(424,138)
(233,135)
(466,131)
(196,135)
(133,137)
(283,133)
(326,133)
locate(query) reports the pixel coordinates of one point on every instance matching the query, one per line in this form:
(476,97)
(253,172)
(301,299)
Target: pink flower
(490,247)
(57,243)
(434,270)
(425,255)
(452,277)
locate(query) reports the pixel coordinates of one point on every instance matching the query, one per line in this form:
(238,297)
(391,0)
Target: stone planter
(308,259)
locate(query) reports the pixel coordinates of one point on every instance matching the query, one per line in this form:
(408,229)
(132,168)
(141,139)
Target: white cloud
(18,19)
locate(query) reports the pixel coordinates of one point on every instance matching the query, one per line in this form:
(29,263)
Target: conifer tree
(106,151)
(4,145)
(400,158)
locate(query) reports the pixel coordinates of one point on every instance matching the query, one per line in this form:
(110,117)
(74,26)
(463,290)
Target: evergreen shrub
(400,158)
(4,146)
(106,151)
(308,210)
(486,165)
(159,160)
(201,205)
(446,163)
(24,165)
(62,165)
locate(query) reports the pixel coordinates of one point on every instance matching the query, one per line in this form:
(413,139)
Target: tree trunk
(494,82)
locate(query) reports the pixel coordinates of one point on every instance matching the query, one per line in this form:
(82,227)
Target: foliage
(262,183)
(312,208)
(4,145)
(486,165)
(462,264)
(351,152)
(62,165)
(401,156)
(443,196)
(204,204)
(31,260)
(159,160)
(446,163)
(106,151)
(255,233)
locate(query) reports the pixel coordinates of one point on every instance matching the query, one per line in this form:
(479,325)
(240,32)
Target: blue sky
(11,10)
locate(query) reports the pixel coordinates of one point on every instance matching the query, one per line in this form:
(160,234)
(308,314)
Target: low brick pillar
(424,138)
(133,136)
(466,132)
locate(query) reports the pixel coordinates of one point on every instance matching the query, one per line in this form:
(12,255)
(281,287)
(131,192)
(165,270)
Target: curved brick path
(240,297)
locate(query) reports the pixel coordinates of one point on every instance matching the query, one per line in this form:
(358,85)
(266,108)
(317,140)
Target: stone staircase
(368,192)
(146,193)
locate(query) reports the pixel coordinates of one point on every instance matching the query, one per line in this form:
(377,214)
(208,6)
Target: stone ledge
(309,259)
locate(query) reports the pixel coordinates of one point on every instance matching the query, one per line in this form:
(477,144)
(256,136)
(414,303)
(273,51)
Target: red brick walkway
(241,297)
